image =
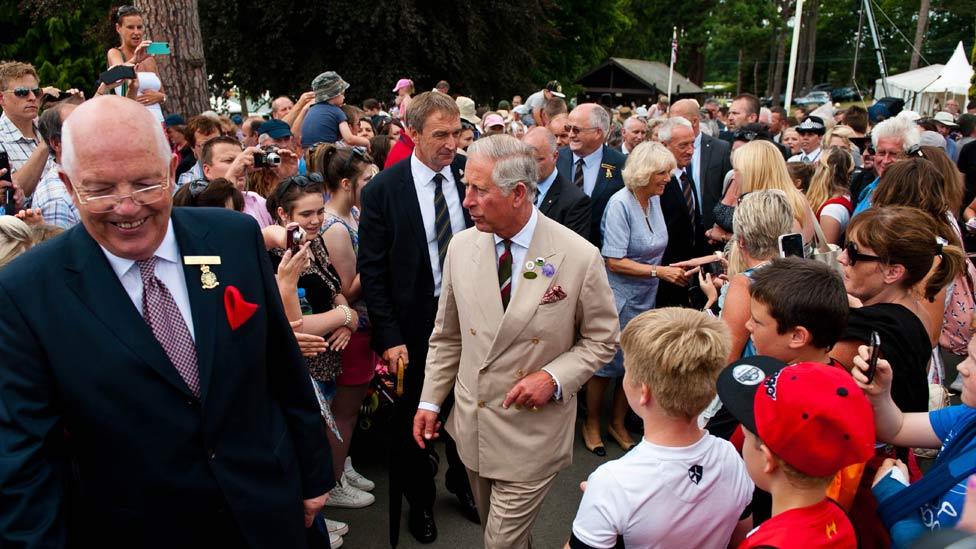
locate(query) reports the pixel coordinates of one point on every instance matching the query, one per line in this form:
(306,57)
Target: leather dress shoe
(468,507)
(422,526)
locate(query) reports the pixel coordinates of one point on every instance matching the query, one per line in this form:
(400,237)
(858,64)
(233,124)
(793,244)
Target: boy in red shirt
(803,423)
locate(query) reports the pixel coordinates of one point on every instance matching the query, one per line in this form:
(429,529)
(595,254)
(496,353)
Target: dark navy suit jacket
(84,381)
(608,181)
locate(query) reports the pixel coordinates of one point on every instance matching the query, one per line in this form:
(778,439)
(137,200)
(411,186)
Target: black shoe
(468,507)
(422,526)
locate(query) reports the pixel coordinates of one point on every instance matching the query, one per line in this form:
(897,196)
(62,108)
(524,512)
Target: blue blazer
(609,180)
(83,380)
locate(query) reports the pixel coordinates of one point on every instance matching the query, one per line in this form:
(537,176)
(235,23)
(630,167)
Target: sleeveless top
(359,305)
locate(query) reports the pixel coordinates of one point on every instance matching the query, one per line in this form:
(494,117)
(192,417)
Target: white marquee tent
(921,88)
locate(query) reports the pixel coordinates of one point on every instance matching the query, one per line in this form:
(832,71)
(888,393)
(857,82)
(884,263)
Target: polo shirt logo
(695,473)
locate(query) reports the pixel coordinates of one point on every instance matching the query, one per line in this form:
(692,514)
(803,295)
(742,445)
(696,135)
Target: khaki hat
(466,106)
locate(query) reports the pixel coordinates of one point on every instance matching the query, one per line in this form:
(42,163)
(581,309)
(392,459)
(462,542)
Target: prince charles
(525,317)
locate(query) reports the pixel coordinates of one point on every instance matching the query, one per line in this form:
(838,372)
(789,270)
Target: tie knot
(147,268)
(580,163)
(438,179)
(508,245)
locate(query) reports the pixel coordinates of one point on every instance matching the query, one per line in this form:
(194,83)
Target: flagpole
(674,55)
(793,47)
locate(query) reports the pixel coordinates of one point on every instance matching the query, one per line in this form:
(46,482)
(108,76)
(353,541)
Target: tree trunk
(923,23)
(695,55)
(755,77)
(738,74)
(183,72)
(811,42)
(780,61)
(771,65)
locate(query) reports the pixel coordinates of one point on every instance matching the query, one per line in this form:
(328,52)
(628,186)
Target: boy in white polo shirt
(680,487)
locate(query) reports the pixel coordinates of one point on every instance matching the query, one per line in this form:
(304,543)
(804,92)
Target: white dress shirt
(591,170)
(169,269)
(542,189)
(695,167)
(423,180)
(520,247)
(806,158)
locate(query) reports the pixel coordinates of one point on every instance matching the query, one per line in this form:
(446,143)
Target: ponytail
(951,262)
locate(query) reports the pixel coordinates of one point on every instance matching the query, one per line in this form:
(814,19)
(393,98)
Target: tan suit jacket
(481,350)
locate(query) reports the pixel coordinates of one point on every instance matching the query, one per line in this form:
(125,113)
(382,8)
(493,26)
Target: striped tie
(687,188)
(578,177)
(442,219)
(505,273)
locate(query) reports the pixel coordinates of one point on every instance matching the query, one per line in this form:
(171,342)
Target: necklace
(646,212)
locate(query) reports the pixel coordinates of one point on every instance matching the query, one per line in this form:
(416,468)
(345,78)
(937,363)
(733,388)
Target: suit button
(519,373)
(211,454)
(474,332)
(481,404)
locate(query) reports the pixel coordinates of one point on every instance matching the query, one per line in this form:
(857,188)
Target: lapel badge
(609,168)
(208,279)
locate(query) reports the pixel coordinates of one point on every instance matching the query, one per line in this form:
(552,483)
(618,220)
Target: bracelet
(348,312)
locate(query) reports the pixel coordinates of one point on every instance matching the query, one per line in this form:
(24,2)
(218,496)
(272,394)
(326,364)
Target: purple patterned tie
(164,319)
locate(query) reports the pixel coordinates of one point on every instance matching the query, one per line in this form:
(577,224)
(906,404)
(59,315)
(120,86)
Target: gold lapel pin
(208,279)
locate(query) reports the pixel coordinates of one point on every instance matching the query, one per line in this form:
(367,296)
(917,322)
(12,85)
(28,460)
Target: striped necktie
(505,273)
(687,189)
(578,177)
(442,219)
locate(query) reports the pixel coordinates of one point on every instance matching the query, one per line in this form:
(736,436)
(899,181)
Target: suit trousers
(508,509)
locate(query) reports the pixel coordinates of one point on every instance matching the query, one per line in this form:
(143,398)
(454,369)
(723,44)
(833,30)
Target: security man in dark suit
(711,160)
(589,163)
(557,198)
(148,347)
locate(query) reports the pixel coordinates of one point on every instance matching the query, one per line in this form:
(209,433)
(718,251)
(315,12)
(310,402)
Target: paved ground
(369,526)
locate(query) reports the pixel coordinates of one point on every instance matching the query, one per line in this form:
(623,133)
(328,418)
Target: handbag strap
(822,245)
(952,466)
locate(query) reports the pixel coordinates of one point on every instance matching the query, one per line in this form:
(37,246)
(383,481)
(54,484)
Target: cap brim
(738,383)
(560,95)
(473,119)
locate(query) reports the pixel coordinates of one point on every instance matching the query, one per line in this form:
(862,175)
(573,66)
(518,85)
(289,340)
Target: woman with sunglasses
(346,172)
(130,28)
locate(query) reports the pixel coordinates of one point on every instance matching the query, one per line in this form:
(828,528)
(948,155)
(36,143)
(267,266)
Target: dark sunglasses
(853,256)
(301,181)
(197,186)
(126,10)
(916,151)
(745,136)
(24,92)
(359,152)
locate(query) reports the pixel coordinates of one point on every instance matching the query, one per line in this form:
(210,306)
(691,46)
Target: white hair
(68,146)
(514,162)
(665,129)
(897,128)
(629,126)
(765,115)
(600,118)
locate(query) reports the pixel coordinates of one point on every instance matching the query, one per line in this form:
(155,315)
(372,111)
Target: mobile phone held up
(791,245)
(158,48)
(7,206)
(875,346)
(116,73)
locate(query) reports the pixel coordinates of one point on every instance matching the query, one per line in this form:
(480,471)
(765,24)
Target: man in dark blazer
(149,369)
(589,164)
(557,198)
(410,211)
(710,162)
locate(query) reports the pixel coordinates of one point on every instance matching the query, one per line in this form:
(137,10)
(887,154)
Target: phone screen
(791,245)
(117,73)
(875,346)
(158,48)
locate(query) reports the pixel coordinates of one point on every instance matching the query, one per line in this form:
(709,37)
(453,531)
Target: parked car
(767,101)
(845,94)
(825,87)
(813,98)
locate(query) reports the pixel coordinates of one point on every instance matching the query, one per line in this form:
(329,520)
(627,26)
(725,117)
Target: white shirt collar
(698,141)
(168,250)
(591,159)
(423,175)
(524,237)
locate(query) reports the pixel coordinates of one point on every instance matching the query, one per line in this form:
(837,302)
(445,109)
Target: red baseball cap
(811,415)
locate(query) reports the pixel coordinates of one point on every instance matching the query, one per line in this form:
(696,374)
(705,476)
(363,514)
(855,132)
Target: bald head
(689,110)
(111,119)
(543,144)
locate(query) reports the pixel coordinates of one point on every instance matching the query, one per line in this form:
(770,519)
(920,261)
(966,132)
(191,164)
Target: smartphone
(791,245)
(119,72)
(8,206)
(875,346)
(158,48)
(714,268)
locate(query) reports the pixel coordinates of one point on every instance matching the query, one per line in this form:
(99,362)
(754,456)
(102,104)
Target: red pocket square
(238,310)
(553,295)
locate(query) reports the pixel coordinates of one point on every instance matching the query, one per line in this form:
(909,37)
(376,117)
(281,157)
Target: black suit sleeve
(374,236)
(579,216)
(31,483)
(292,388)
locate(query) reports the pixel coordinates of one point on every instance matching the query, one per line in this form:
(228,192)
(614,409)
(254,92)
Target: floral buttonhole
(548,269)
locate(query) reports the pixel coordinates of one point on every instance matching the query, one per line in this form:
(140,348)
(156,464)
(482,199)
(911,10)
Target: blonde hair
(678,354)
(15,239)
(831,178)
(760,218)
(759,167)
(647,159)
(841,131)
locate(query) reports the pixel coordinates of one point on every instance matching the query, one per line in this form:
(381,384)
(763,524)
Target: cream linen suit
(481,351)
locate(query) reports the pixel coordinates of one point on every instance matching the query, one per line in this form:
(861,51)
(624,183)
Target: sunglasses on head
(359,152)
(745,136)
(853,256)
(197,186)
(915,150)
(24,91)
(301,181)
(126,10)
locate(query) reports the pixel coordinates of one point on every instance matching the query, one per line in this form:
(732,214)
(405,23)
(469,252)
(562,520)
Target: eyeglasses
(300,181)
(576,129)
(24,91)
(359,152)
(108,202)
(853,256)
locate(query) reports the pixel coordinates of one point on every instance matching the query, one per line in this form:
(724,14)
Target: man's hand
(425,427)
(313,506)
(533,391)
(18,192)
(305,99)
(289,163)
(391,355)
(675,275)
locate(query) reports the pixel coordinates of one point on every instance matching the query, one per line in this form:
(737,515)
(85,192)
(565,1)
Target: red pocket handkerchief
(553,295)
(238,310)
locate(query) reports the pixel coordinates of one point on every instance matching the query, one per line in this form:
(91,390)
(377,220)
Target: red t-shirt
(820,525)
(403,148)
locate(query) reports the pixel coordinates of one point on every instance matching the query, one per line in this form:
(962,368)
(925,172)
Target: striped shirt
(19,148)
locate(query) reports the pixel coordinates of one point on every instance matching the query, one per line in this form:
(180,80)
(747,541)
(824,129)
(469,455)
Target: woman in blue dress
(634,238)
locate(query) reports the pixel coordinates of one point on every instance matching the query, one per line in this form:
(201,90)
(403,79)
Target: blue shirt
(945,511)
(864,200)
(321,124)
(543,188)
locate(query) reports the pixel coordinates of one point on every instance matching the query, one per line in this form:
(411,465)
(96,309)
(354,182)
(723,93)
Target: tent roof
(651,74)
(956,74)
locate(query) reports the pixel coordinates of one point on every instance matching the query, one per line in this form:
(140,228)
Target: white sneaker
(335,541)
(349,497)
(336,527)
(353,478)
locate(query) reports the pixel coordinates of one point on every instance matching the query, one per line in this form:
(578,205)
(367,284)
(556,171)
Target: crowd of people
(771,313)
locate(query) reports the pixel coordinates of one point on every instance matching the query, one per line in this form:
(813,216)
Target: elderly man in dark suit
(710,161)
(589,163)
(557,198)
(410,212)
(157,359)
